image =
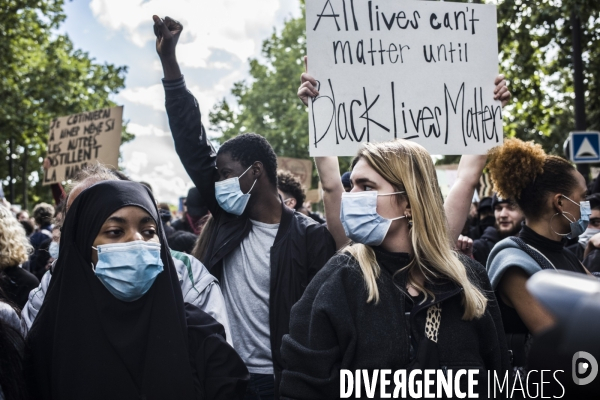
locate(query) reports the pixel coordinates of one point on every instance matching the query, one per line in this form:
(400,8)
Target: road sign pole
(580,124)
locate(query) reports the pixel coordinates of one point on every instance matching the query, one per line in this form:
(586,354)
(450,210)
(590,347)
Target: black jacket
(301,247)
(484,245)
(333,327)
(17,283)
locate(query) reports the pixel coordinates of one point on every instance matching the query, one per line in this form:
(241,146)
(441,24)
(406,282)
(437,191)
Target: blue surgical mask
(230,196)
(579,226)
(129,269)
(53,250)
(359,217)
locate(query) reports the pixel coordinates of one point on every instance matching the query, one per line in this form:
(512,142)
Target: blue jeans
(260,387)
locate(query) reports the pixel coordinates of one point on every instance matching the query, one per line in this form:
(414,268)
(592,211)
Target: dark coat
(17,283)
(484,245)
(301,247)
(333,328)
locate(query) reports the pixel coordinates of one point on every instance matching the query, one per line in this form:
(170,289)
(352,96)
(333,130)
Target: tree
(268,105)
(535,42)
(43,77)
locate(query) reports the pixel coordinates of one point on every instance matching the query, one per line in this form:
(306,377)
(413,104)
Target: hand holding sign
(308,85)
(501,91)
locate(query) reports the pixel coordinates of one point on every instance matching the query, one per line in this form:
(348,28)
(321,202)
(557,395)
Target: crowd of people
(251,295)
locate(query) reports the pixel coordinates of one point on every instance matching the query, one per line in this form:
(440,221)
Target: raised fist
(167,33)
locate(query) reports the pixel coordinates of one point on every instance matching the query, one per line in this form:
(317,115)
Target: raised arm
(329,175)
(459,199)
(191,142)
(328,169)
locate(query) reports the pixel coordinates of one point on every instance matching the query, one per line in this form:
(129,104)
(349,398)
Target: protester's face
(126,225)
(365,178)
(56,235)
(23,216)
(595,219)
(288,200)
(508,218)
(577,196)
(229,168)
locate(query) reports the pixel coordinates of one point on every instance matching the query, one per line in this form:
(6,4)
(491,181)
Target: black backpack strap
(537,256)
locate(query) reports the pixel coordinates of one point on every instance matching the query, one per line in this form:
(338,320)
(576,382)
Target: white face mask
(229,195)
(585,237)
(53,250)
(360,219)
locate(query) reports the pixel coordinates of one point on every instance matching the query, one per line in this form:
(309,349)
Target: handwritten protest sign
(81,139)
(419,70)
(301,169)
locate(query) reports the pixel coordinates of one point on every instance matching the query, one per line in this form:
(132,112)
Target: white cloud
(153,160)
(237,26)
(147,130)
(151,96)
(154,96)
(136,162)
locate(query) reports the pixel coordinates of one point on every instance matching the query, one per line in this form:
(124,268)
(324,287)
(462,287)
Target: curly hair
(524,172)
(14,245)
(289,184)
(250,147)
(43,213)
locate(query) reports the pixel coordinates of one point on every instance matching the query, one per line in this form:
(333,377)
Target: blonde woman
(14,251)
(369,306)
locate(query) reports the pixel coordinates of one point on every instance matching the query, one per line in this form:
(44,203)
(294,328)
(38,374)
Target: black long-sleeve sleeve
(220,372)
(195,151)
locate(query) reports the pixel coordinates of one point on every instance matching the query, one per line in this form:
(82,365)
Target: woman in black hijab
(110,330)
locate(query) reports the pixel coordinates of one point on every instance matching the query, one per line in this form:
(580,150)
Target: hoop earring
(563,214)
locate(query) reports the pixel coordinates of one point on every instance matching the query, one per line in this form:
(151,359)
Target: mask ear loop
(243,175)
(93,266)
(252,186)
(563,214)
(410,223)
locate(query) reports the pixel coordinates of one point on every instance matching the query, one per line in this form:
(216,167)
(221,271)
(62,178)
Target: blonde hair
(14,245)
(408,167)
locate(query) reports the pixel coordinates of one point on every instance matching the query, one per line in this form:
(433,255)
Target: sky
(218,39)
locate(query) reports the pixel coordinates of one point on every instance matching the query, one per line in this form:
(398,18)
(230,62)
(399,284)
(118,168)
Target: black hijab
(87,344)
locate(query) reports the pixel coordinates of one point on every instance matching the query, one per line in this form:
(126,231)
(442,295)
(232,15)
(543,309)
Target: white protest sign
(82,139)
(418,70)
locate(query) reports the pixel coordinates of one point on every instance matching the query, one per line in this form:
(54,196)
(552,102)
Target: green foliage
(268,105)
(43,77)
(535,42)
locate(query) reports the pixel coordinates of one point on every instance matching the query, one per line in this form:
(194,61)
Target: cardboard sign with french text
(81,139)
